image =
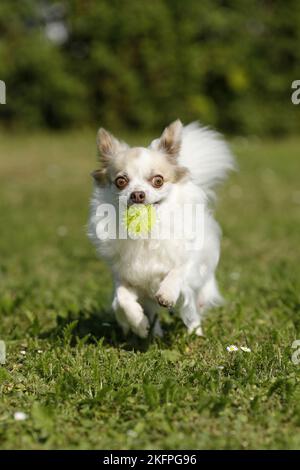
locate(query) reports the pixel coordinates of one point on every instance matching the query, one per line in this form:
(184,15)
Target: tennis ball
(139,219)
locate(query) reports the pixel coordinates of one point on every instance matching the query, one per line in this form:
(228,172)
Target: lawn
(82,384)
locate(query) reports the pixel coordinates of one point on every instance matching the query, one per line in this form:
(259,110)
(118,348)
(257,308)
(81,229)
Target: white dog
(179,169)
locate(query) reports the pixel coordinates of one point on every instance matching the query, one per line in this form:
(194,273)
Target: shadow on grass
(91,327)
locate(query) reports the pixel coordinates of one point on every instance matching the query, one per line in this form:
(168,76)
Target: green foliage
(140,64)
(81,383)
(40,91)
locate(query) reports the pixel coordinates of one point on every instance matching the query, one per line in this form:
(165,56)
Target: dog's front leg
(150,307)
(132,312)
(169,289)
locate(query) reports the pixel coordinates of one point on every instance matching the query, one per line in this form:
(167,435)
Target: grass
(81,383)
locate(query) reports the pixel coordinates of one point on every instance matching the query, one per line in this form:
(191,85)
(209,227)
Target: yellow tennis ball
(139,219)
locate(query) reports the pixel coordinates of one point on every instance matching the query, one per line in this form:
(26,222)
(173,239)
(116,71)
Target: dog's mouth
(155,203)
(158,203)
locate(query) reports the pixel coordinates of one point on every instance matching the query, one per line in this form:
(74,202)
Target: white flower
(23,352)
(232,348)
(40,351)
(245,349)
(20,416)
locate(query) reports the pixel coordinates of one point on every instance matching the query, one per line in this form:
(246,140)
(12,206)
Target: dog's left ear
(170,139)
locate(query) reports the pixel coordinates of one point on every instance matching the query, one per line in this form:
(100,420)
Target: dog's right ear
(108,146)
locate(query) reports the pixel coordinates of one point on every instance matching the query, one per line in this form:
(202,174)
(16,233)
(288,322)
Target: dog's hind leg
(209,295)
(131,311)
(194,305)
(189,312)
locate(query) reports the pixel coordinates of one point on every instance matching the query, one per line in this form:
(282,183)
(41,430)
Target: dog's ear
(108,146)
(170,139)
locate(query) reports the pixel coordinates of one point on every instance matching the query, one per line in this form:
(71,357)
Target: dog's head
(142,175)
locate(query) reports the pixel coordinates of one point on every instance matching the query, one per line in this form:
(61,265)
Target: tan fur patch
(168,168)
(100,176)
(124,160)
(180,173)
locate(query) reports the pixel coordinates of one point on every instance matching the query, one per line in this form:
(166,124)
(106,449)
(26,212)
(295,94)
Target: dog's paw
(195,331)
(142,328)
(163,301)
(165,298)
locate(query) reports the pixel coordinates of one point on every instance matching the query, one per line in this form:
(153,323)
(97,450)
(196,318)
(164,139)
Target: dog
(181,168)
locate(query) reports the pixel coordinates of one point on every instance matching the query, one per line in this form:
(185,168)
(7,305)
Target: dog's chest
(144,263)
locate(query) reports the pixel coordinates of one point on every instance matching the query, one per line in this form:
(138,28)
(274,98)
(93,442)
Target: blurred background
(133,66)
(137,65)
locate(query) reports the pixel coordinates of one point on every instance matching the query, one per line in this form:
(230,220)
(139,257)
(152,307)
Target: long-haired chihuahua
(171,259)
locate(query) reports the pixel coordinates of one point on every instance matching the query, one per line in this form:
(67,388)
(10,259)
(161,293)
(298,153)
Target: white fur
(169,271)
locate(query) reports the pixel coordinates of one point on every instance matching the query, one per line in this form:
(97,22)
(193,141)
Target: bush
(141,64)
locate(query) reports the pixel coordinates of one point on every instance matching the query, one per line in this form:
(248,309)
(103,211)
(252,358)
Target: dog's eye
(157,181)
(121,182)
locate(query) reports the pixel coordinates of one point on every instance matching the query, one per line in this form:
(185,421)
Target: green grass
(89,387)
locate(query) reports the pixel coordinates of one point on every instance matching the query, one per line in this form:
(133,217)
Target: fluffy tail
(206,155)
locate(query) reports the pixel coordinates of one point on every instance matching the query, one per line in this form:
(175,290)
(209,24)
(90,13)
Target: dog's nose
(138,197)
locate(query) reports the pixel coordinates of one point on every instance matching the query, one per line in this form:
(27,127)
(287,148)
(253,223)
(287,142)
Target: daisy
(20,416)
(232,348)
